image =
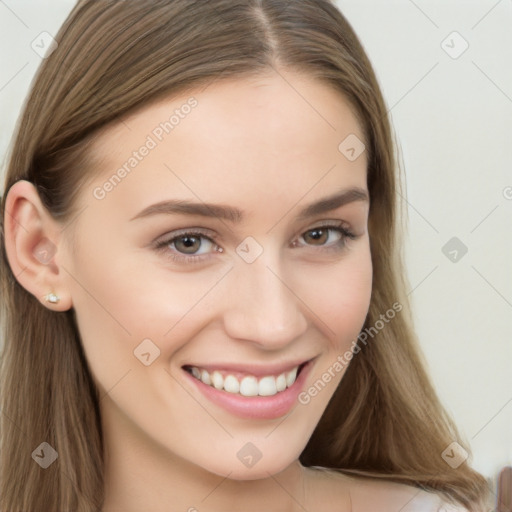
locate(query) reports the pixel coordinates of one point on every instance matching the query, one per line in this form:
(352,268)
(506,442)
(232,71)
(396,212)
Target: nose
(262,305)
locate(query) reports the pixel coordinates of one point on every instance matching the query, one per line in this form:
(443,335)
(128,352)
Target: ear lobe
(32,239)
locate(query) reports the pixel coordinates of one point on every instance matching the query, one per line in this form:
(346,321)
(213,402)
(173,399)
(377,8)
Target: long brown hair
(114,57)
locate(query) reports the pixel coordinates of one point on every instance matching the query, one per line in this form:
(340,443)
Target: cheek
(343,307)
(120,302)
(341,296)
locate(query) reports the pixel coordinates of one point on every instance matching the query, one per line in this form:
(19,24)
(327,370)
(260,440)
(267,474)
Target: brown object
(504,499)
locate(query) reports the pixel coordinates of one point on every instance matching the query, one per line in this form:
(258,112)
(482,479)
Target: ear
(34,246)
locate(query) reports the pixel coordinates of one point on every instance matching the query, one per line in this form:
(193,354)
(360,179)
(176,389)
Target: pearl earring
(52,298)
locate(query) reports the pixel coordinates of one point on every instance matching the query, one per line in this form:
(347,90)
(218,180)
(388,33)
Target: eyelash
(163,245)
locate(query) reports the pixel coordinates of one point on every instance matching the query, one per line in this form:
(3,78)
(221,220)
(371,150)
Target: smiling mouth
(246,385)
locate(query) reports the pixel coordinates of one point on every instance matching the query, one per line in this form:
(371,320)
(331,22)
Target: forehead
(265,136)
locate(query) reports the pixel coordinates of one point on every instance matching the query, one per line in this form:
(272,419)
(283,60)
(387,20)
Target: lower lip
(256,407)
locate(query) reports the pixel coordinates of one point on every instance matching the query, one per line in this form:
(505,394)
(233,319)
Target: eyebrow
(234,215)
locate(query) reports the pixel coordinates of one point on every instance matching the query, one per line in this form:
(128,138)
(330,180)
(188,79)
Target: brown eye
(326,237)
(187,244)
(317,236)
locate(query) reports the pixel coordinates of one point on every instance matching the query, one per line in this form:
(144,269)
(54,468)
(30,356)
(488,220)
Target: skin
(269,147)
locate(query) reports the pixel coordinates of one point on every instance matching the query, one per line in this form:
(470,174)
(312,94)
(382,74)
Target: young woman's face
(212,248)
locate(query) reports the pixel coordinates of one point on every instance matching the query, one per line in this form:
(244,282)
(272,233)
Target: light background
(453,120)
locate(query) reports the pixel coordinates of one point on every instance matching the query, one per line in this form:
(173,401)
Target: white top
(431,502)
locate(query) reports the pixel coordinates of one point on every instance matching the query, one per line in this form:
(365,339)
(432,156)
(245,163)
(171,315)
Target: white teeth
(291,376)
(217,380)
(249,385)
(205,377)
(281,382)
(267,386)
(231,384)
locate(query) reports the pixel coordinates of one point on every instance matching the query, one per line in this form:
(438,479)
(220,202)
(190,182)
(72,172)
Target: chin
(257,472)
(271,464)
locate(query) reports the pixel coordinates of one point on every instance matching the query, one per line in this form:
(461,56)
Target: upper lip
(257,370)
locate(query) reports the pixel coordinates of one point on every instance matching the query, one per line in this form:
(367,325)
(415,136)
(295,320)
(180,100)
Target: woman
(204,302)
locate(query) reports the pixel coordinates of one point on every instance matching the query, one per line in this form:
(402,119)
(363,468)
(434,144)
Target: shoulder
(365,494)
(375,494)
